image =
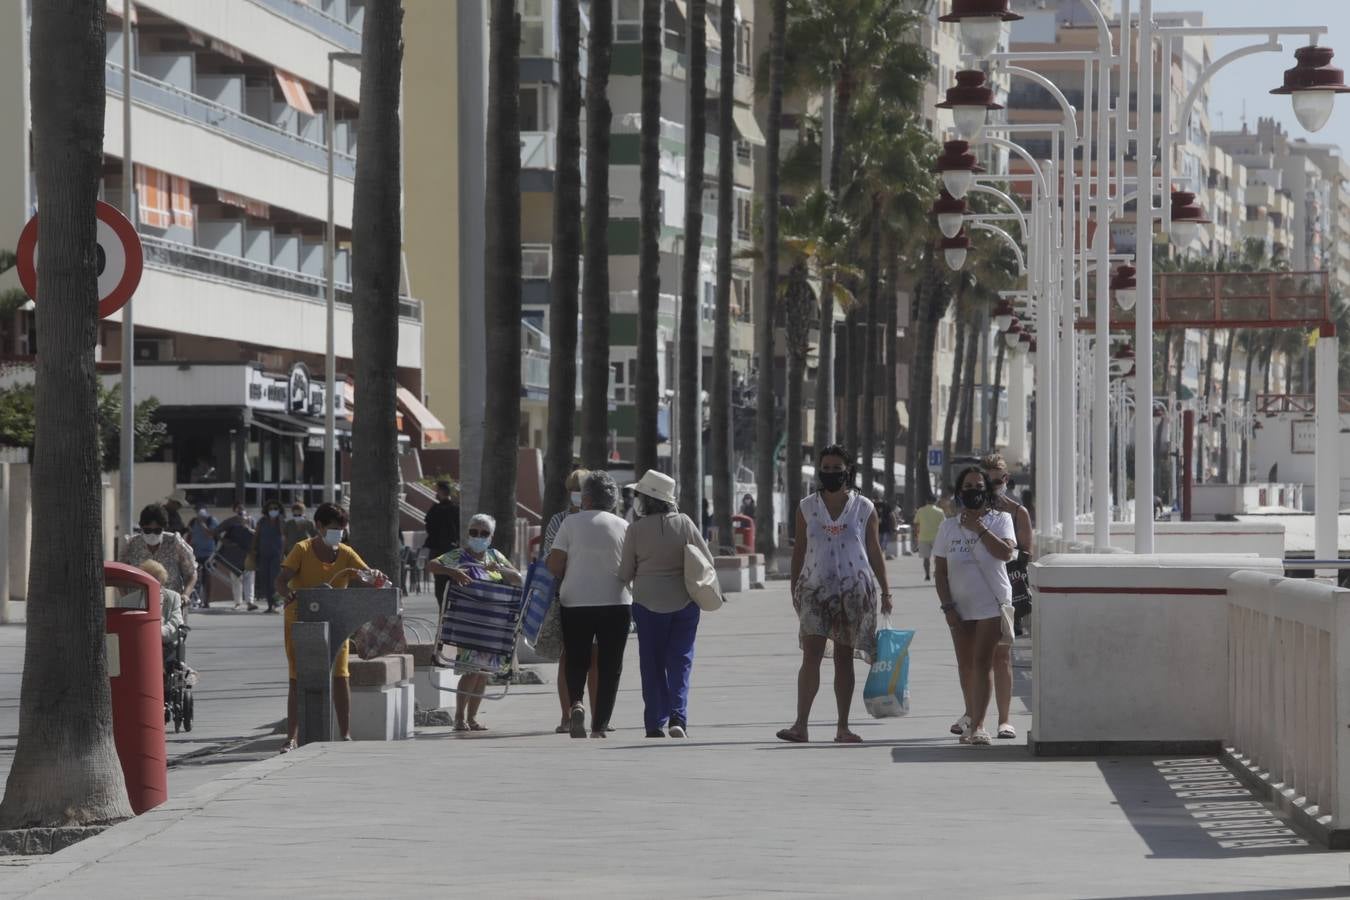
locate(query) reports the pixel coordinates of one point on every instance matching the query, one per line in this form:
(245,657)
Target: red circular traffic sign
(121,258)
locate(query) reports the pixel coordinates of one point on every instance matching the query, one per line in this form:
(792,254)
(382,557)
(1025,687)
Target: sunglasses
(152,531)
(474,532)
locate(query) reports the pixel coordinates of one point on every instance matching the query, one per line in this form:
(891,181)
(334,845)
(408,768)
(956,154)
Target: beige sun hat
(657,486)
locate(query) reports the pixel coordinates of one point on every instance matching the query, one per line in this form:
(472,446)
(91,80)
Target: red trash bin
(743,534)
(136,676)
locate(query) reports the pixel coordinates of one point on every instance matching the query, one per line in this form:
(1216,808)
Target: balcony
(534,374)
(159,95)
(344,30)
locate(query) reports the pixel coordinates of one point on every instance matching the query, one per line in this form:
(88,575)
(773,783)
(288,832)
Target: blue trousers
(666,659)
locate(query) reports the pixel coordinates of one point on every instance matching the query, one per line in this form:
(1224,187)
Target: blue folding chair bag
(540,589)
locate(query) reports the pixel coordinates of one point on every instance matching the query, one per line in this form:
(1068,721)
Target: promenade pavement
(519,811)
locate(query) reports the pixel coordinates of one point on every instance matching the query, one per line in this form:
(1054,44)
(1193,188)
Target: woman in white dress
(970,571)
(837,574)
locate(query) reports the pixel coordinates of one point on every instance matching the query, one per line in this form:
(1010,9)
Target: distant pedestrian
(996,470)
(156,542)
(838,574)
(748,506)
(595,602)
(235,537)
(627,511)
(268,543)
(477,560)
(666,617)
(173,518)
(707,519)
(315,562)
(885,526)
(202,537)
(553,621)
(972,551)
(927,521)
(296,529)
(442,522)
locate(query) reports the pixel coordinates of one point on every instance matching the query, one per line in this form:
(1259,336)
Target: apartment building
(229,194)
(1225,199)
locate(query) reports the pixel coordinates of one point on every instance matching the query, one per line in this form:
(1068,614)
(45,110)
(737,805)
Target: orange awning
(293,89)
(433,432)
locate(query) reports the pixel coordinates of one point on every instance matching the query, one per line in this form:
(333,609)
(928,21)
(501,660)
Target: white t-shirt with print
(593,542)
(978,579)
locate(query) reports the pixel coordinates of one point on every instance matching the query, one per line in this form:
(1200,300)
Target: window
(532,32)
(628,21)
(536,107)
(743,152)
(709,302)
(153,196)
(744,49)
(744,217)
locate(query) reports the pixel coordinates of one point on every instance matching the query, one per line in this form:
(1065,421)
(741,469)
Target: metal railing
(316,20)
(160,95)
(538,150)
(534,369)
(1288,677)
(174,256)
(536,261)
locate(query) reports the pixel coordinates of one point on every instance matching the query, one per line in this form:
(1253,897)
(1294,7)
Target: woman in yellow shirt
(322,560)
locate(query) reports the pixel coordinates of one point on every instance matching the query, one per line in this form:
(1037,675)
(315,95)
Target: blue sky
(1250,79)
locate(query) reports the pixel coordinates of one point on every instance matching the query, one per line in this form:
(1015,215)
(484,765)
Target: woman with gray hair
(477,560)
(595,600)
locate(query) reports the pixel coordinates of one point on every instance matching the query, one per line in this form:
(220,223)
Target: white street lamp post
(330,347)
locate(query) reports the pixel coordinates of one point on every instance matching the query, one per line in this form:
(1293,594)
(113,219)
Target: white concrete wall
(1132,648)
(1200,537)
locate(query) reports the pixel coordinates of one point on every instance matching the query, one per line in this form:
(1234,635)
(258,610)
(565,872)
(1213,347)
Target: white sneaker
(960,725)
(980,737)
(238,606)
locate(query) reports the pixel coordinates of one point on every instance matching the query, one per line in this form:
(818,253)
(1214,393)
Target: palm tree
(377,237)
(765,539)
(501,432)
(65,769)
(595,291)
(562,325)
(649,228)
(691,304)
(721,361)
(867,436)
(958,361)
(933,296)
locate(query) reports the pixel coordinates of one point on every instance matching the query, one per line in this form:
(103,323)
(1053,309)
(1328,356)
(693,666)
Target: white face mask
(332,537)
(273,513)
(153,540)
(201,513)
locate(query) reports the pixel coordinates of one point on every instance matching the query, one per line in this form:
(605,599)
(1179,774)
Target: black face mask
(973,498)
(832,481)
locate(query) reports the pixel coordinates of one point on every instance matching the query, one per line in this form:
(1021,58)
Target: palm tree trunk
(501,432)
(562,318)
(848,398)
(691,304)
(649,249)
(1207,387)
(868,438)
(377,237)
(595,290)
(1250,346)
(1224,388)
(995,395)
(825,367)
(721,361)
(976,336)
(891,372)
(954,391)
(66,770)
(765,539)
(797,324)
(932,305)
(1161,463)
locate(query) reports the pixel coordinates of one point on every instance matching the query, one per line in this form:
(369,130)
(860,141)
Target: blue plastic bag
(886,693)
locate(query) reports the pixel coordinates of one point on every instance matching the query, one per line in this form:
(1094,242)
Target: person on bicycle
(156,542)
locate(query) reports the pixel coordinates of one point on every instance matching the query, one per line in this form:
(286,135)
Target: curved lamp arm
(1008,239)
(1070,114)
(1007,200)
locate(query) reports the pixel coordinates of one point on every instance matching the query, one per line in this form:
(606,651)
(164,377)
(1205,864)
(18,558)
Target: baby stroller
(178,683)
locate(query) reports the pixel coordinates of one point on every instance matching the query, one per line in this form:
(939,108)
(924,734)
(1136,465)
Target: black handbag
(1021,589)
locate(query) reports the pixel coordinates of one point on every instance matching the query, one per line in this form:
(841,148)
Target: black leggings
(607,627)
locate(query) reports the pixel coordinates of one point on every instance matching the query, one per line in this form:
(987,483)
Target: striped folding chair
(479,629)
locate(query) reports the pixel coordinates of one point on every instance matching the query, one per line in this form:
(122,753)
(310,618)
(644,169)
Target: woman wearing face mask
(312,563)
(970,571)
(996,470)
(477,560)
(837,574)
(268,541)
(550,634)
(164,547)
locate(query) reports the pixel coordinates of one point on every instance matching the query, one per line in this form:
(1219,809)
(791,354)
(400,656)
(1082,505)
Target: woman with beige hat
(666,619)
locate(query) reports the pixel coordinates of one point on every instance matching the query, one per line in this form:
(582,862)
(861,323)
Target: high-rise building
(229,175)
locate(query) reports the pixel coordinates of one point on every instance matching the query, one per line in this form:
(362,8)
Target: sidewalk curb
(57,866)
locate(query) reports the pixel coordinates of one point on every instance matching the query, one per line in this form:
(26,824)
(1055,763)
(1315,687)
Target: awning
(255,208)
(115,7)
(902,413)
(295,426)
(747,126)
(293,89)
(211,43)
(433,432)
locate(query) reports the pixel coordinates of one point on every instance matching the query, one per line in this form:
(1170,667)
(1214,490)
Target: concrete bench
(382,697)
(733,573)
(433,686)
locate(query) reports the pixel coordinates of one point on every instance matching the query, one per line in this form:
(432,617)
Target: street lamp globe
(958,167)
(970,101)
(1312,84)
(1003,315)
(954,250)
(1013,336)
(1124,286)
(950,213)
(981,23)
(1187,217)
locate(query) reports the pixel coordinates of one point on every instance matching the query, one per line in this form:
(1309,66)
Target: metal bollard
(313,681)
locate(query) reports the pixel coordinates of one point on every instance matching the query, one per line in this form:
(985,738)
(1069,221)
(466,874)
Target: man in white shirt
(595,603)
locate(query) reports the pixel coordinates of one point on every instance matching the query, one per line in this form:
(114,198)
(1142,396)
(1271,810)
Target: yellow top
(928,520)
(310,572)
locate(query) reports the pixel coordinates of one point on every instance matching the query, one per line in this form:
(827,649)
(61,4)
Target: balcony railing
(151,92)
(536,261)
(174,256)
(534,370)
(538,150)
(316,20)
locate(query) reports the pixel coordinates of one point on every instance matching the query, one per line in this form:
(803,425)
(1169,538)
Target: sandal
(847,737)
(562,729)
(460,726)
(474,726)
(792,737)
(1006,732)
(288,746)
